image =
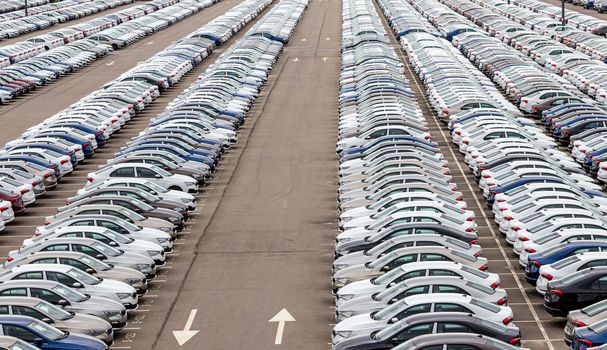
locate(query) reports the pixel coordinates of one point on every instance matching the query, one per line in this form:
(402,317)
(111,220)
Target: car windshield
(565,262)
(475,272)
(161,171)
(68,293)
(46,330)
(53,311)
(388,276)
(131,215)
(547,238)
(20,345)
(599,327)
(95,264)
(117,237)
(485,305)
(390,310)
(388,332)
(105,249)
(83,277)
(156,187)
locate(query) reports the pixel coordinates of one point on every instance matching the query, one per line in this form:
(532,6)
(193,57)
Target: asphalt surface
(262,237)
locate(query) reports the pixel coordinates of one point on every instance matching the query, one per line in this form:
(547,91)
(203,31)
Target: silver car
(74,278)
(68,299)
(10,343)
(113,210)
(57,317)
(92,248)
(88,264)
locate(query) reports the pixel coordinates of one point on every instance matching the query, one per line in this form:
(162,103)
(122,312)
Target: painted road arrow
(186,334)
(281,317)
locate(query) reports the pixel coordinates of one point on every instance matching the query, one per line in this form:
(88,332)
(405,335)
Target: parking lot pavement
(540,330)
(268,236)
(29,110)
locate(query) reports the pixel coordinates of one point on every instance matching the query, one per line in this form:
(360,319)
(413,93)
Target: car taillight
(508,217)
(501,201)
(89,179)
(46,222)
(63,161)
(536,263)
(487,176)
(484,267)
(473,241)
(47,175)
(9,259)
(459,199)
(524,239)
(502,301)
(470,219)
(507,321)
(477,254)
(515,341)
(516,228)
(35,183)
(466,142)
(495,285)
(469,229)
(530,250)
(24,191)
(86,144)
(525,100)
(586,342)
(579,324)
(547,276)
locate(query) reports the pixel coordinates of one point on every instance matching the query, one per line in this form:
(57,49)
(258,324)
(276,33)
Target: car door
(63,279)
(151,175)
(597,290)
(401,260)
(446,288)
(28,311)
(412,310)
(450,307)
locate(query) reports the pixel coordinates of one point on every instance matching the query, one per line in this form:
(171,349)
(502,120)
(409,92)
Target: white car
(367,323)
(145,171)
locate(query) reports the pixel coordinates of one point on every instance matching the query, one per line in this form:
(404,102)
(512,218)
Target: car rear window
(565,262)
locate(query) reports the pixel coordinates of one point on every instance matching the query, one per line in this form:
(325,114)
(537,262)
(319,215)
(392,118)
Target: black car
(576,291)
(431,323)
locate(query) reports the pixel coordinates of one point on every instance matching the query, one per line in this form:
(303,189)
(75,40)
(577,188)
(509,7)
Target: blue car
(43,145)
(559,252)
(46,337)
(589,336)
(517,183)
(34,160)
(87,147)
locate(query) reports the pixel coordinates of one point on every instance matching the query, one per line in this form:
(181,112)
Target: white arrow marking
(186,334)
(110,63)
(327,39)
(304,39)
(324,59)
(281,317)
(296,59)
(150,42)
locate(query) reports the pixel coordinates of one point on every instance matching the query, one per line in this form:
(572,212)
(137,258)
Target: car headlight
(344,334)
(190,183)
(111,314)
(165,229)
(123,295)
(346,219)
(134,280)
(97,332)
(185,200)
(153,252)
(141,267)
(345,297)
(173,218)
(343,240)
(341,280)
(346,313)
(162,239)
(339,267)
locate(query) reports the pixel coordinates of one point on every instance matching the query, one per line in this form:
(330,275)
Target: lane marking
(186,334)
(282,317)
(110,63)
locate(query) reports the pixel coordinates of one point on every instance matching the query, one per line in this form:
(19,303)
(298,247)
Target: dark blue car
(47,337)
(34,160)
(559,252)
(590,336)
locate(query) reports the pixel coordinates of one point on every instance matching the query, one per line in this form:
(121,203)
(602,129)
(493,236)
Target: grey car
(88,264)
(57,317)
(112,210)
(584,317)
(10,343)
(93,248)
(68,299)
(475,341)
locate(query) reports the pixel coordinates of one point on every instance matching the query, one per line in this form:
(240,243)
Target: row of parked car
(127,215)
(97,254)
(544,203)
(21,76)
(14,24)
(15,5)
(407,266)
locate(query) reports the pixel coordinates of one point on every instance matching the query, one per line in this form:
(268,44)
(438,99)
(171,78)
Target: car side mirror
(385,268)
(391,284)
(38,341)
(158,176)
(393,320)
(63,302)
(101,256)
(113,244)
(393,300)
(395,341)
(47,320)
(89,270)
(77,285)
